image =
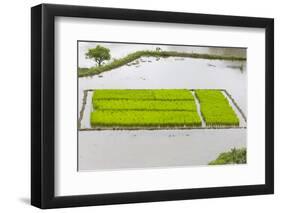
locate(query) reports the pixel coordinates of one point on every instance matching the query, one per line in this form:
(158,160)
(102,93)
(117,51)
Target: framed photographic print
(139,106)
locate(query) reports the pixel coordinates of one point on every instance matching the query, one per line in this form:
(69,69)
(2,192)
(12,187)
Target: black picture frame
(43,105)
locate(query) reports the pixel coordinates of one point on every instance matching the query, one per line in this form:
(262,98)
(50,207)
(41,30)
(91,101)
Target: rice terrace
(175,105)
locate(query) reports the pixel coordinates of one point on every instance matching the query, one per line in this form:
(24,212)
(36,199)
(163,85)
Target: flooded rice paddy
(133,149)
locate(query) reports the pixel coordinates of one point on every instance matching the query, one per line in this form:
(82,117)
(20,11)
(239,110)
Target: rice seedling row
(143,94)
(148,105)
(131,118)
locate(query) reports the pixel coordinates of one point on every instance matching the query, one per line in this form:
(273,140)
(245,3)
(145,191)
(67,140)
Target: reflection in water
(241,52)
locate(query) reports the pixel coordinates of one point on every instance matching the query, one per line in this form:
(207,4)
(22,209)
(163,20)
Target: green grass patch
(235,156)
(132,118)
(215,108)
(82,72)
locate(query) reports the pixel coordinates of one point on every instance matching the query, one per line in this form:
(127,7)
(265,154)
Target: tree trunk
(99,62)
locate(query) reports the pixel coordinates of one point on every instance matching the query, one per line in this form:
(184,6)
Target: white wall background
(15,106)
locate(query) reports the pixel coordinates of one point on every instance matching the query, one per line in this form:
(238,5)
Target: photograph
(143,106)
(139,105)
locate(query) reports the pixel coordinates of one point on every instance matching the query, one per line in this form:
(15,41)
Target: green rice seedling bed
(132,118)
(149,108)
(144,108)
(215,108)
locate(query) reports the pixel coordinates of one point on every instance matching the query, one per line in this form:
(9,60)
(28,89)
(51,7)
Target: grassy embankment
(235,156)
(215,108)
(83,72)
